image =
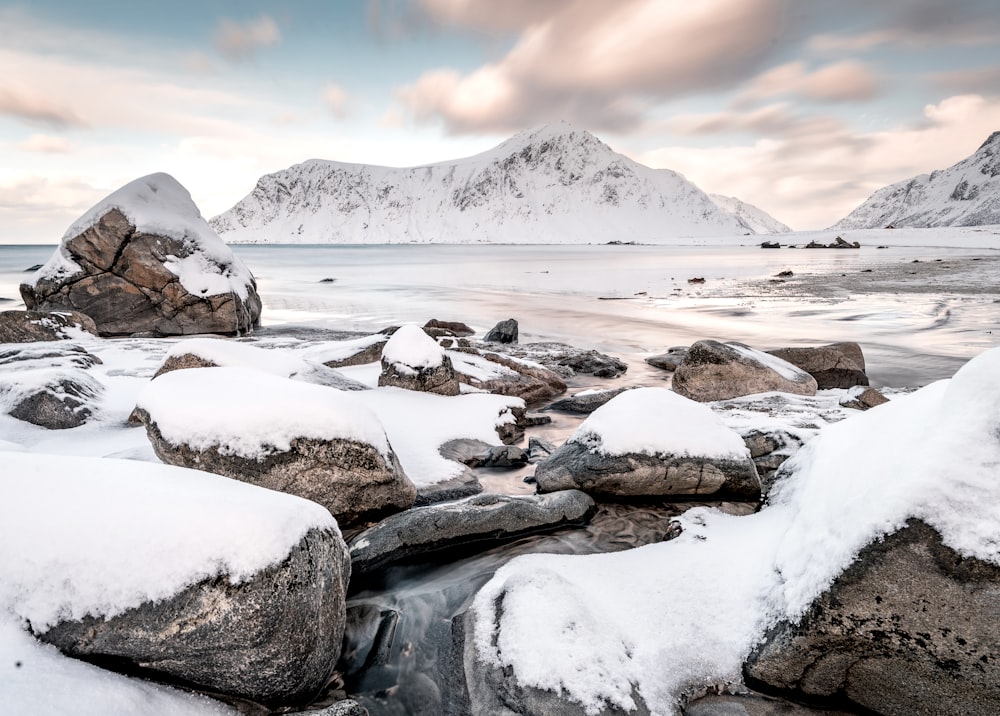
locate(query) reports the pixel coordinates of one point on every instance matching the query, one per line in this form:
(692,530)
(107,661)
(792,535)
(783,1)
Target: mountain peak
(561,132)
(992,139)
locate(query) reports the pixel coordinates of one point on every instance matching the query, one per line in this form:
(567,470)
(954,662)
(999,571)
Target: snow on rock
(650,623)
(554,184)
(409,346)
(143,259)
(756,218)
(657,421)
(718,371)
(964,194)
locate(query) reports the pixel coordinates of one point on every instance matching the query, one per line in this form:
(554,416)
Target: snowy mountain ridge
(964,194)
(555,184)
(753,216)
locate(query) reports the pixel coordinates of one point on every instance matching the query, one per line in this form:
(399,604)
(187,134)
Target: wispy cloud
(241,40)
(845,81)
(33,108)
(46,144)
(337,99)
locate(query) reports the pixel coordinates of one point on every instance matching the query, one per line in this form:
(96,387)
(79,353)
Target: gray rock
(751,704)
(503,332)
(476,453)
(440,379)
(457,488)
(769,451)
(531,383)
(596,364)
(456,328)
(125,286)
(46,355)
(29,326)
(586,402)
(838,365)
(719,371)
(863,398)
(910,628)
(368,354)
(482,519)
(351,479)
(273,638)
(539,449)
(61,400)
(347,707)
(645,476)
(670,360)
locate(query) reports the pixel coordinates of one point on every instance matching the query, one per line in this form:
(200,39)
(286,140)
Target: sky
(802,107)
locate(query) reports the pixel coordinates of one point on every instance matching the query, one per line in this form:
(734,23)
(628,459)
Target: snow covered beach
(920,327)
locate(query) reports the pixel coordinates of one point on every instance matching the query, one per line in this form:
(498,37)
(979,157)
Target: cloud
(976,80)
(45,144)
(600,64)
(337,99)
(241,40)
(846,81)
(32,108)
(814,170)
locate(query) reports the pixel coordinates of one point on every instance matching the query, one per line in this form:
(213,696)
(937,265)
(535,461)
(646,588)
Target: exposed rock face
(484,519)
(719,371)
(595,364)
(351,479)
(30,326)
(670,360)
(273,638)
(456,328)
(132,279)
(503,332)
(574,466)
(863,398)
(440,379)
(908,629)
(838,365)
(586,402)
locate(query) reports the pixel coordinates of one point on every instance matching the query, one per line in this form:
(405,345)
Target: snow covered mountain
(753,216)
(555,184)
(965,194)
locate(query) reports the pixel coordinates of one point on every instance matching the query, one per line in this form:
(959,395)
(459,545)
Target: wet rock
(503,332)
(456,328)
(30,326)
(838,243)
(669,360)
(586,402)
(457,488)
(838,365)
(273,638)
(483,519)
(563,359)
(863,398)
(909,628)
(123,276)
(770,245)
(753,704)
(539,449)
(476,453)
(596,364)
(719,371)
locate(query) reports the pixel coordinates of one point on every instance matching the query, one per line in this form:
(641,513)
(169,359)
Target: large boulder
(651,442)
(719,371)
(910,628)
(483,520)
(307,440)
(838,365)
(174,575)
(413,360)
(30,326)
(144,260)
(503,332)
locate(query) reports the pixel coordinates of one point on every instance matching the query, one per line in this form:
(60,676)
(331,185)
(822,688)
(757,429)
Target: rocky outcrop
(503,332)
(31,326)
(838,243)
(484,520)
(144,261)
(273,638)
(838,365)
(531,383)
(719,371)
(565,360)
(863,398)
(908,629)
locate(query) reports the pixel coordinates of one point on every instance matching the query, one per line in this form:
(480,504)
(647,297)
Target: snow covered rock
(553,184)
(413,360)
(357,351)
(190,578)
(964,194)
(587,401)
(862,398)
(651,442)
(838,365)
(503,332)
(483,520)
(144,260)
(504,375)
(307,440)
(719,371)
(47,384)
(27,326)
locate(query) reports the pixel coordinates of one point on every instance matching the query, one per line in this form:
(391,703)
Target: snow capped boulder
(413,360)
(504,375)
(144,260)
(47,384)
(307,440)
(838,365)
(173,574)
(719,371)
(651,442)
(28,326)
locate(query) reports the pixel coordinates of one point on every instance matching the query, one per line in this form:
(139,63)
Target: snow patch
(409,347)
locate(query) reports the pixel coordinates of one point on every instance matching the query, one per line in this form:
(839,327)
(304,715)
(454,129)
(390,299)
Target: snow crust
(245,412)
(684,614)
(780,366)
(658,421)
(159,204)
(410,347)
(90,536)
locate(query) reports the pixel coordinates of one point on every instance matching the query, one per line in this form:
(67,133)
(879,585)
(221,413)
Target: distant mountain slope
(753,216)
(965,194)
(555,184)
